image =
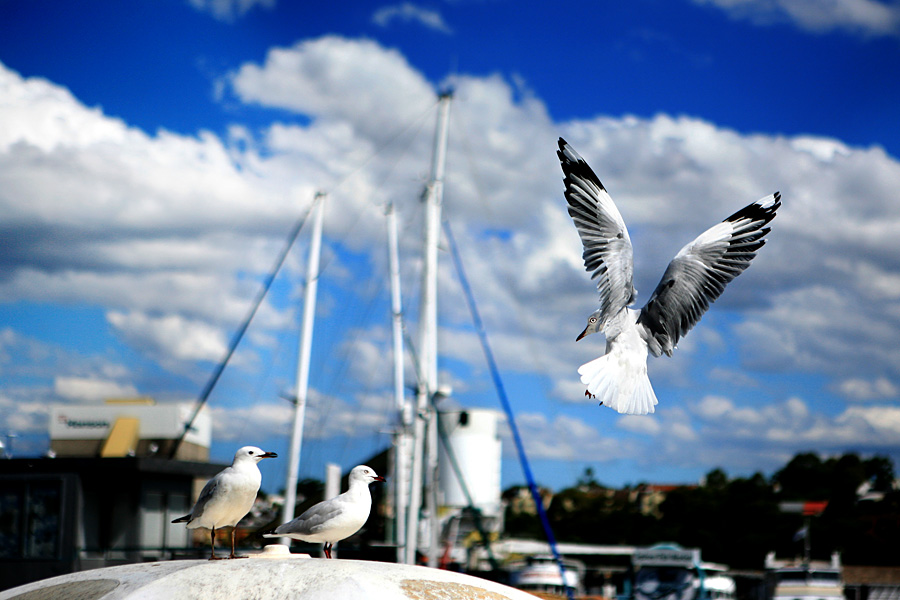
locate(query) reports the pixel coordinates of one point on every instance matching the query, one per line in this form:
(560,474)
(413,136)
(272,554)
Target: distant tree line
(737,521)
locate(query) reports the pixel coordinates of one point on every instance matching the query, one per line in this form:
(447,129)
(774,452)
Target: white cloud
(184,339)
(100,213)
(169,234)
(233,424)
(91,389)
(865,17)
(864,389)
(714,407)
(877,425)
(641,425)
(325,417)
(229,10)
(734,377)
(410,13)
(566,438)
(331,78)
(21,415)
(793,426)
(65,375)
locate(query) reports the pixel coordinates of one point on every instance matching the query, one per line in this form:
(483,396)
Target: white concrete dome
(271,575)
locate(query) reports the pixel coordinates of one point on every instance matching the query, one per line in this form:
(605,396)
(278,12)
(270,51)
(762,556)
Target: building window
(30,520)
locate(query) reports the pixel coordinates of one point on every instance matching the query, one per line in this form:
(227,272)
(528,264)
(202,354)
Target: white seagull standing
(696,277)
(228,497)
(333,520)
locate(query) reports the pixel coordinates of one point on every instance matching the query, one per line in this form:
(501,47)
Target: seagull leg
(233,555)
(212,544)
(327,550)
(588,394)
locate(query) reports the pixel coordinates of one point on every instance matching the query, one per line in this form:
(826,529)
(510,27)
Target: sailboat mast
(428,369)
(403,436)
(303,359)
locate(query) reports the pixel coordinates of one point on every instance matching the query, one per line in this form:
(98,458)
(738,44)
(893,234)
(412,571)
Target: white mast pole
(306,334)
(428,369)
(403,437)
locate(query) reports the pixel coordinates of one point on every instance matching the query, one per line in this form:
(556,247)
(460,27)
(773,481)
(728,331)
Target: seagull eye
(593,319)
(251,452)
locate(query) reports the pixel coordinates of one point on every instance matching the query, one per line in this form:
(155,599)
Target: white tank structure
(472,435)
(274,574)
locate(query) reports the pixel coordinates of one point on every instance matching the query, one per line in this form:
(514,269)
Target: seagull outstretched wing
(700,271)
(607,246)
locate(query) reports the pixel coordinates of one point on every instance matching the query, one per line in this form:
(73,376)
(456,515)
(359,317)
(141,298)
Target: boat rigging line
(504,400)
(267,284)
(239,335)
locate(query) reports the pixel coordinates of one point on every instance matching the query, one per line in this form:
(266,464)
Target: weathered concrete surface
(273,575)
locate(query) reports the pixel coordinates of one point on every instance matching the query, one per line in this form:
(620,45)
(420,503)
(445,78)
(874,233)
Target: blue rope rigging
(501,392)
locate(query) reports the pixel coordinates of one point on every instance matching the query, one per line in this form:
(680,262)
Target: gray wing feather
(698,274)
(607,246)
(312,520)
(205,496)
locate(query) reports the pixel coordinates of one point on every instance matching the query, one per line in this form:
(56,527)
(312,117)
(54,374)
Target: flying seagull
(333,520)
(228,496)
(696,277)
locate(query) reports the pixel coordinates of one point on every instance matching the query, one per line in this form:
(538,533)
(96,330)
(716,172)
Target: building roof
(109,466)
(871,575)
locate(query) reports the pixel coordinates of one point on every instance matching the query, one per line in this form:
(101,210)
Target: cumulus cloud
(154,228)
(717,431)
(184,339)
(325,417)
(233,424)
(879,424)
(410,13)
(869,18)
(368,87)
(229,10)
(91,389)
(565,438)
(862,389)
(170,235)
(793,426)
(21,415)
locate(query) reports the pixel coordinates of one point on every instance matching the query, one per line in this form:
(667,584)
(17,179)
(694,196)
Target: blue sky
(154,155)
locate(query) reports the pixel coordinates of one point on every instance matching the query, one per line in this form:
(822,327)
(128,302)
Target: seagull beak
(582,334)
(379,478)
(270,455)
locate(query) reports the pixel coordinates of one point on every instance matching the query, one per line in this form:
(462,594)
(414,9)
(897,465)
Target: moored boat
(804,580)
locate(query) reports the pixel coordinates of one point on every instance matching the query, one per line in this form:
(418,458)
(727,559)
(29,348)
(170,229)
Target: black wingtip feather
(758,212)
(573,165)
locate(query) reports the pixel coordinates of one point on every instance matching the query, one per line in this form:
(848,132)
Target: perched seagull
(228,496)
(333,520)
(696,276)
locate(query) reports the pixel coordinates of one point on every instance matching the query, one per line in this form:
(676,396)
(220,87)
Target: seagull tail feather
(269,531)
(622,386)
